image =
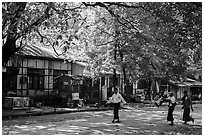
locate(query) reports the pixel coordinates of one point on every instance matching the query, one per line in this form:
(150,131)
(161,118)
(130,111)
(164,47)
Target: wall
(180,91)
(48,66)
(77,69)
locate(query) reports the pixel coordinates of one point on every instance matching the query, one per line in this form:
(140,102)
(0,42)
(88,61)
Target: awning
(197,83)
(74,77)
(188,83)
(190,80)
(181,85)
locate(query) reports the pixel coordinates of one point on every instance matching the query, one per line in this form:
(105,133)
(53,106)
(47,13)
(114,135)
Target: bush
(126,97)
(93,100)
(132,98)
(46,100)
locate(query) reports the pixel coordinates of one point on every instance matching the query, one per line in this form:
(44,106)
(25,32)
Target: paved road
(135,121)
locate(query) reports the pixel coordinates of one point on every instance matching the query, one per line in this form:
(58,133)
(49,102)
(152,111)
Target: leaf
(59,37)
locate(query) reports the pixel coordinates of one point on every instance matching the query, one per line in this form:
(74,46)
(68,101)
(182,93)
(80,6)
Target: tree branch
(100,4)
(54,48)
(129,22)
(105,43)
(43,37)
(60,11)
(120,4)
(112,13)
(38,21)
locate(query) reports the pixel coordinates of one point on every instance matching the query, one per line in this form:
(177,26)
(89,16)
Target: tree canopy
(149,39)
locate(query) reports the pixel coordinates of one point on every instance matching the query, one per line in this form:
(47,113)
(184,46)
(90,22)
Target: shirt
(187,102)
(172,100)
(166,94)
(116,98)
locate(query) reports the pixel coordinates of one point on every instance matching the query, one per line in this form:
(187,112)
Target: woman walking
(116,99)
(187,106)
(172,104)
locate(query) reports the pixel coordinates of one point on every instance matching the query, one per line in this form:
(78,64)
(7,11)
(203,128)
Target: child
(116,99)
(162,98)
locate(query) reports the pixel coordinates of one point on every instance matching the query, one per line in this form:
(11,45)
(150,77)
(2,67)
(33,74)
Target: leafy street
(135,121)
(75,54)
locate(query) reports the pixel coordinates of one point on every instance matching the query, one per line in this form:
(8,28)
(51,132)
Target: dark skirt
(170,113)
(186,115)
(116,109)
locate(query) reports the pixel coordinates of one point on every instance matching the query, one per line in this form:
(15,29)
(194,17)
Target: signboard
(3,69)
(75,96)
(66,83)
(76,82)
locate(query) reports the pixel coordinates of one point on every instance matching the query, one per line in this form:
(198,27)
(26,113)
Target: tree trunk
(149,89)
(114,70)
(114,78)
(8,49)
(125,80)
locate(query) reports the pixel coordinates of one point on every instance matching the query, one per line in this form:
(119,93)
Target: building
(33,74)
(158,85)
(45,77)
(193,87)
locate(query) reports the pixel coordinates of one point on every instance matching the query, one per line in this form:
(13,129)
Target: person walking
(163,98)
(187,106)
(116,99)
(172,103)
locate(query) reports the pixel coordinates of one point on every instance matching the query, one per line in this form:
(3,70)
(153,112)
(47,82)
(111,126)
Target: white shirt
(172,100)
(116,98)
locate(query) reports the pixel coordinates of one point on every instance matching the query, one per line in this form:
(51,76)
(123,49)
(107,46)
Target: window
(58,73)
(35,78)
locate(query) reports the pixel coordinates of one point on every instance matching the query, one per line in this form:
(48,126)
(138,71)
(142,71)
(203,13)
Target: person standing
(116,99)
(172,103)
(199,96)
(187,106)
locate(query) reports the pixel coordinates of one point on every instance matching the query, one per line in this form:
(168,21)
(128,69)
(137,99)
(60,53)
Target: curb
(41,113)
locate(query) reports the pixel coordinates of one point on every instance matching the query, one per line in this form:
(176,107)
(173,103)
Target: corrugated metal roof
(48,52)
(195,83)
(190,80)
(40,51)
(187,83)
(181,85)
(82,63)
(75,77)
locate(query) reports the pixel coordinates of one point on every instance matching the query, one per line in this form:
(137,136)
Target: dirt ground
(135,121)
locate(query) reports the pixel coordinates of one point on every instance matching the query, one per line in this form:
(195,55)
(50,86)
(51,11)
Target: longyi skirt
(186,115)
